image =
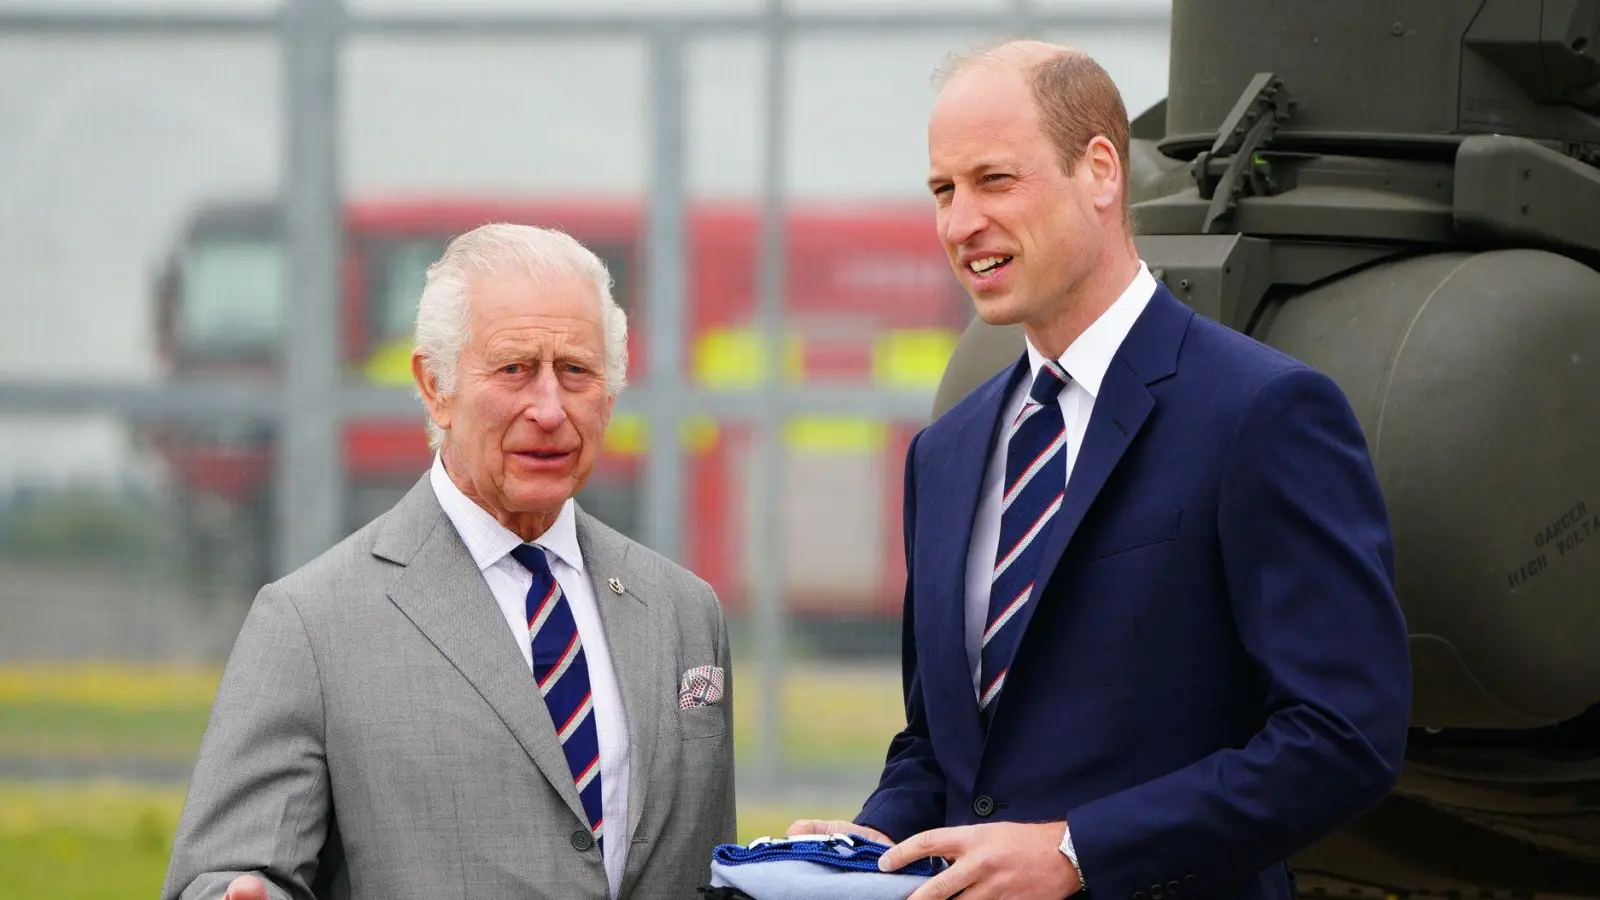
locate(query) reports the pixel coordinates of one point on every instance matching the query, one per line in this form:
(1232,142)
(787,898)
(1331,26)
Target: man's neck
(1086,304)
(527,525)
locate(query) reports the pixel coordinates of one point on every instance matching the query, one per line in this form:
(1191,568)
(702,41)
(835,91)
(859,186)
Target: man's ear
(1104,168)
(428,386)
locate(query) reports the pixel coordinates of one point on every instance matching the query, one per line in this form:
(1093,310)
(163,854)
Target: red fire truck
(870,301)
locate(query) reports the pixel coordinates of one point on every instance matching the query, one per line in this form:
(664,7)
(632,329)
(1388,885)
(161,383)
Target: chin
(539,496)
(998,312)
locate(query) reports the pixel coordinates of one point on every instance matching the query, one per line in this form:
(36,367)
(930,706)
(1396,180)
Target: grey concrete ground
(56,613)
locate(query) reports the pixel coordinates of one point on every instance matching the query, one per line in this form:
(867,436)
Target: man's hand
(246,887)
(836,826)
(995,860)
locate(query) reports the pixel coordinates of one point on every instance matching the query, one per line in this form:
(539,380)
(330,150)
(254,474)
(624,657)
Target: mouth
(542,456)
(986,271)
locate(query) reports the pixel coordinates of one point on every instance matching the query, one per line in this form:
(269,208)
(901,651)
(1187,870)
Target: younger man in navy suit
(1151,642)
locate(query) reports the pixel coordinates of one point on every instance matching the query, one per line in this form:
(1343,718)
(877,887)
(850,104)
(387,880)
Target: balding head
(1076,98)
(1015,54)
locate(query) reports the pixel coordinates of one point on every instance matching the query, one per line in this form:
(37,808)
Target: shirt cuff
(1070,853)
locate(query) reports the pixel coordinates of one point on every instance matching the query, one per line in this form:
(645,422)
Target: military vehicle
(1405,194)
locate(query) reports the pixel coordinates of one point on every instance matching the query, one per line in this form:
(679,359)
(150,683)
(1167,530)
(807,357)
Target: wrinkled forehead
(516,291)
(517,300)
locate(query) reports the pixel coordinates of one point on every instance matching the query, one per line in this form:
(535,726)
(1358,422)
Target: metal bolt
(1397,29)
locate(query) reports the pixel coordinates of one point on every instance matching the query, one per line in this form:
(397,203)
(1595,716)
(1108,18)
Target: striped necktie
(562,673)
(1036,480)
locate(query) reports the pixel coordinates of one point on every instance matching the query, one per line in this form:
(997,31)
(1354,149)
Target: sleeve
(910,796)
(258,801)
(1308,562)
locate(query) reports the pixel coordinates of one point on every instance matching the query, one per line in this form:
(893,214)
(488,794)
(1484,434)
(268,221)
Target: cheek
(589,416)
(495,411)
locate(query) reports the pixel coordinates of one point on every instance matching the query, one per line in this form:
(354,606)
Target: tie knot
(532,558)
(1048,383)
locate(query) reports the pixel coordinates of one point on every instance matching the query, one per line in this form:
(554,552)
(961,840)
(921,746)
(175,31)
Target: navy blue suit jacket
(1215,673)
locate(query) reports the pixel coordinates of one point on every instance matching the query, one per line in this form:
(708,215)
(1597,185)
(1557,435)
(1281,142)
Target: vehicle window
(231,296)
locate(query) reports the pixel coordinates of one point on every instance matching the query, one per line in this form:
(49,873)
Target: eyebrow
(982,168)
(589,358)
(498,358)
(583,357)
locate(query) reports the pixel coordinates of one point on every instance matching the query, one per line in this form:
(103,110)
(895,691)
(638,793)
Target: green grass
(76,840)
(63,731)
(98,839)
(831,719)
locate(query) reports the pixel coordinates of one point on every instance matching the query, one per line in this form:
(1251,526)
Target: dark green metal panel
(1472,375)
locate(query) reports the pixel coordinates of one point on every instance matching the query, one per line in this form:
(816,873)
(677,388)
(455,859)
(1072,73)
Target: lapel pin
(616,586)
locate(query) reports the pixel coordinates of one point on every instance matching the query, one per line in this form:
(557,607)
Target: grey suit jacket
(376,733)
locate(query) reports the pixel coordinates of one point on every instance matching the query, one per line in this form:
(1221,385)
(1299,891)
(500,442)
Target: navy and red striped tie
(1036,481)
(562,673)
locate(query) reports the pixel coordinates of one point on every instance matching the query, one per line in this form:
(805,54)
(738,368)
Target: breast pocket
(1131,534)
(702,722)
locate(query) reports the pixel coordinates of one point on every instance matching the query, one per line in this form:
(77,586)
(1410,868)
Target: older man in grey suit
(485,693)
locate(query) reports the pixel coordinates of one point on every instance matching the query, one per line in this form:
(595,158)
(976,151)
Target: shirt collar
(1087,358)
(487,540)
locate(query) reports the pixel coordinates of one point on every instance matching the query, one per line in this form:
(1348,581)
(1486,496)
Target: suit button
(1190,880)
(1140,896)
(983,806)
(1173,887)
(582,840)
(1157,892)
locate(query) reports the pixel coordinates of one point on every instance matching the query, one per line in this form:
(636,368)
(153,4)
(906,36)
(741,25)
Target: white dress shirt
(490,544)
(1086,361)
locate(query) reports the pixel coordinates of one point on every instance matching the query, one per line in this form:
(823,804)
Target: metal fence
(104,530)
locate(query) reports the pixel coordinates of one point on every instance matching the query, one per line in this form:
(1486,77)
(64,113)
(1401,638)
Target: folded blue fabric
(816,867)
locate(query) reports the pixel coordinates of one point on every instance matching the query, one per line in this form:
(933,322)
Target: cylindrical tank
(1476,377)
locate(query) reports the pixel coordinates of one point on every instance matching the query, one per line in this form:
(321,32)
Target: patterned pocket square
(701,686)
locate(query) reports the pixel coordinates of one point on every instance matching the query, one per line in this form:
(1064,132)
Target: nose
(544,399)
(963,218)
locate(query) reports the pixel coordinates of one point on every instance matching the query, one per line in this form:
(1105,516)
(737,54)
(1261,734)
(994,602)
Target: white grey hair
(543,254)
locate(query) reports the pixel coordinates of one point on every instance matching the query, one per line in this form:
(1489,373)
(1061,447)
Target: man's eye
(511,368)
(575,369)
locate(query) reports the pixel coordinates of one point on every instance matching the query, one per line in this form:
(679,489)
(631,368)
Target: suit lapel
(635,652)
(444,595)
(954,491)
(1119,412)
(1148,354)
